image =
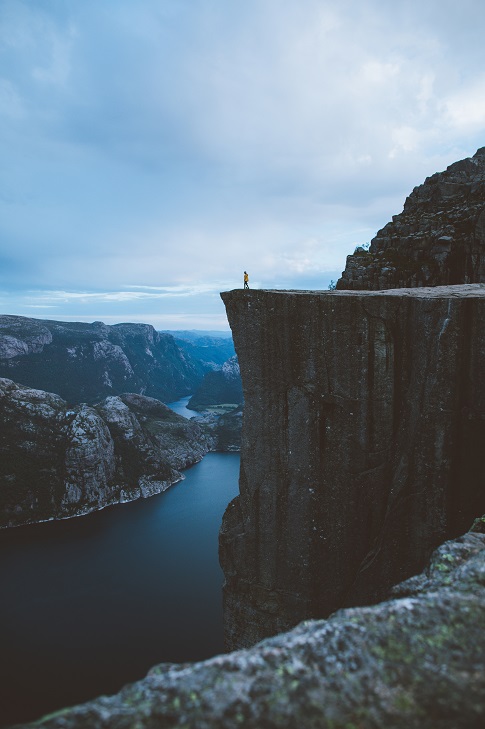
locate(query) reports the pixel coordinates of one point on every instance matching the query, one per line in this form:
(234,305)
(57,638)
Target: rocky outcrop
(363,446)
(58,460)
(86,362)
(417,660)
(220,387)
(438,239)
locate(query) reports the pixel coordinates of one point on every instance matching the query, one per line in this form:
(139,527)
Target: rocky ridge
(417,660)
(363,446)
(86,362)
(60,460)
(438,239)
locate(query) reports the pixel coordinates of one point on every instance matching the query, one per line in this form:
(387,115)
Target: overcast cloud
(153,150)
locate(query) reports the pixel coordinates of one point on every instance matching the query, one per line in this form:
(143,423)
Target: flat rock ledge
(417,660)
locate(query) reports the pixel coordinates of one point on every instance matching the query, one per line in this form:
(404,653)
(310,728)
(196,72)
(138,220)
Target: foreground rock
(438,239)
(86,362)
(415,661)
(363,446)
(59,460)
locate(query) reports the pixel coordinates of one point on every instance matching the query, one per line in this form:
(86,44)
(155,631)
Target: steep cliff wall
(363,446)
(438,239)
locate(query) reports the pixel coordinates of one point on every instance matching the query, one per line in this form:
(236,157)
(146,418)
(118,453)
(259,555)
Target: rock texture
(415,661)
(363,446)
(220,387)
(438,239)
(58,460)
(86,362)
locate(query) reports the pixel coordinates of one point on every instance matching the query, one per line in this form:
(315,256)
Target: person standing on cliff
(246,280)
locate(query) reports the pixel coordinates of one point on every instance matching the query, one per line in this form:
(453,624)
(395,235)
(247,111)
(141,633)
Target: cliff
(86,362)
(416,660)
(59,460)
(438,239)
(363,446)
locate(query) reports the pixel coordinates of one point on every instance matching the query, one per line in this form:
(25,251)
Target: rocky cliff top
(460,291)
(439,238)
(414,661)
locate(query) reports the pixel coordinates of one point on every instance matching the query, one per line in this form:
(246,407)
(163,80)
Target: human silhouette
(246,280)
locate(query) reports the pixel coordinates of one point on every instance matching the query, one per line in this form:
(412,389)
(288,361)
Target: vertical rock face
(438,239)
(363,446)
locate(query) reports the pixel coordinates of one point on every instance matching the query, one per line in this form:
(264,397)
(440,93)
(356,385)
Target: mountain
(86,362)
(438,239)
(219,387)
(60,460)
(212,351)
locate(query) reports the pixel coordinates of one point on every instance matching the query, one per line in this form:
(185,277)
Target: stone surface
(59,460)
(438,239)
(86,362)
(413,662)
(363,446)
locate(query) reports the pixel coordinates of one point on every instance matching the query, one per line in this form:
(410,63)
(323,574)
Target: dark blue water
(90,604)
(181,408)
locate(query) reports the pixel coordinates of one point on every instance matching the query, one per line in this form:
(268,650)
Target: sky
(153,150)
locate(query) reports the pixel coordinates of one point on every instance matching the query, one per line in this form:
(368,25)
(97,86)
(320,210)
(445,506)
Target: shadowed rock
(438,239)
(363,446)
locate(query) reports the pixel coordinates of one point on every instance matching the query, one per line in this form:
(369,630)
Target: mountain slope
(86,362)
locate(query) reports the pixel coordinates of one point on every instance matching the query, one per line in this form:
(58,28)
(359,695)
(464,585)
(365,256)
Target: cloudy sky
(151,150)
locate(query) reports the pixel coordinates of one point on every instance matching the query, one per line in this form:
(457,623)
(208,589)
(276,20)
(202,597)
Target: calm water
(181,408)
(89,604)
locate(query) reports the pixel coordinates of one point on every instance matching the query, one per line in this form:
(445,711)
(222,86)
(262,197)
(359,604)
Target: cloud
(176,143)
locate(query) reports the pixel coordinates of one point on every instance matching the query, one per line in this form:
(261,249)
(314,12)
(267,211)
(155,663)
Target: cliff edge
(363,446)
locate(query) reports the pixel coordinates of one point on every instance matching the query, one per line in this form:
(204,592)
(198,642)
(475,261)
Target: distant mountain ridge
(210,348)
(223,386)
(85,362)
